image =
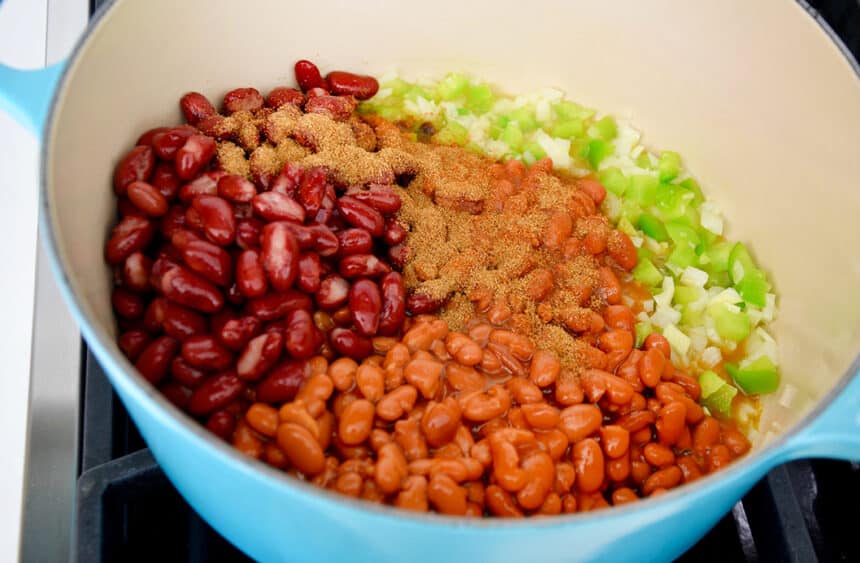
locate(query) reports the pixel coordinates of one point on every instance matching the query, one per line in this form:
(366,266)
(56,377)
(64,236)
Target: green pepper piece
(451,134)
(684,295)
(570,110)
(479,98)
(718,256)
(568,129)
(631,211)
(452,86)
(693,186)
(525,118)
(643,189)
(653,227)
(721,401)
(535,149)
(605,129)
(759,377)
(710,383)
(681,234)
(647,273)
(642,331)
(731,325)
(595,151)
(753,288)
(513,136)
(669,165)
(683,255)
(614,180)
(740,263)
(644,161)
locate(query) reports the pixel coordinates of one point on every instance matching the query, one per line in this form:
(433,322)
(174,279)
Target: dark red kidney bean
(361,215)
(136,165)
(348,343)
(302,337)
(393,304)
(131,235)
(280,255)
(325,241)
(135,272)
(349,84)
(205,184)
(354,241)
(243,211)
(234,296)
(383,199)
(221,423)
(235,333)
(274,206)
(125,208)
(193,220)
(194,155)
(204,352)
(181,238)
(365,306)
(362,266)
(237,189)
(155,359)
(195,106)
(305,236)
(153,319)
(173,220)
(421,304)
(166,180)
(333,293)
(181,323)
(288,181)
(315,93)
(133,342)
(339,108)
(308,75)
(243,99)
(282,96)
(276,305)
(398,255)
(283,382)
(248,233)
(217,216)
(250,276)
(216,392)
(180,285)
(188,376)
(210,261)
(310,272)
(394,233)
(217,126)
(146,138)
(176,393)
(168,143)
(312,189)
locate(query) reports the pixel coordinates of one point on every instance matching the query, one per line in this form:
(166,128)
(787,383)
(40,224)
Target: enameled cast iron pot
(759,97)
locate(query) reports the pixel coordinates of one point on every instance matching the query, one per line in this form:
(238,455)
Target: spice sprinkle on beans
(396,318)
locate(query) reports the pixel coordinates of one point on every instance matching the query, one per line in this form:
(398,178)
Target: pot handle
(834,433)
(26,94)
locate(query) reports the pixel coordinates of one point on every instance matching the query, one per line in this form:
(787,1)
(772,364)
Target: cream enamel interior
(755,97)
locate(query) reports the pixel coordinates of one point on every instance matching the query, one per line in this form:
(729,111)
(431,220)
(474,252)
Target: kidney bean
(136,271)
(580,421)
(181,323)
(155,359)
(302,337)
(283,382)
(136,165)
(210,261)
(588,462)
(132,234)
(167,143)
(393,307)
(394,233)
(361,215)
(204,184)
(272,306)
(221,423)
(354,241)
(362,265)
(273,206)
(282,96)
(165,180)
(236,188)
(236,332)
(280,255)
(146,138)
(308,75)
(259,355)
(195,107)
(349,84)
(541,470)
(194,155)
(217,218)
(248,233)
(185,374)
(187,289)
(311,189)
(153,318)
(175,393)
(243,99)
(383,199)
(365,305)
(351,344)
(126,304)
(146,198)
(250,276)
(133,342)
(339,108)
(203,351)
(398,255)
(310,271)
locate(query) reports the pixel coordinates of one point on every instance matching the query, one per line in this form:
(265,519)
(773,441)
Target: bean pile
(273,310)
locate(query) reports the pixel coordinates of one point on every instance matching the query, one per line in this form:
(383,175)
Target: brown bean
(301,448)
(588,462)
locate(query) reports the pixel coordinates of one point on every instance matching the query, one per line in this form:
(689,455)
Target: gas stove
(123,508)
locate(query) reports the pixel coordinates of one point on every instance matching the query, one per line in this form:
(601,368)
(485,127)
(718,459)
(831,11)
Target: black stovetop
(128,511)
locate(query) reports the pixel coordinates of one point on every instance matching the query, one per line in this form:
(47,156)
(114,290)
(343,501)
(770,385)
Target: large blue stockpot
(755,95)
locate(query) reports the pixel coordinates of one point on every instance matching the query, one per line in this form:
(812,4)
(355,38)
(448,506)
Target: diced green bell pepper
(568,129)
(512,136)
(730,325)
(682,234)
(693,186)
(614,180)
(452,134)
(525,118)
(717,394)
(753,288)
(605,129)
(535,149)
(452,86)
(647,273)
(642,331)
(570,110)
(595,151)
(759,377)
(479,98)
(653,227)
(718,256)
(740,263)
(644,161)
(669,165)
(642,189)
(684,295)
(683,255)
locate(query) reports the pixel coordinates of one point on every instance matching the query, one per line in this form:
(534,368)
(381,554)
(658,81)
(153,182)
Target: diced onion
(694,277)
(679,341)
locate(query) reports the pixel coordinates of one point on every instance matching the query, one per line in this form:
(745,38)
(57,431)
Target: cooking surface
(128,511)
